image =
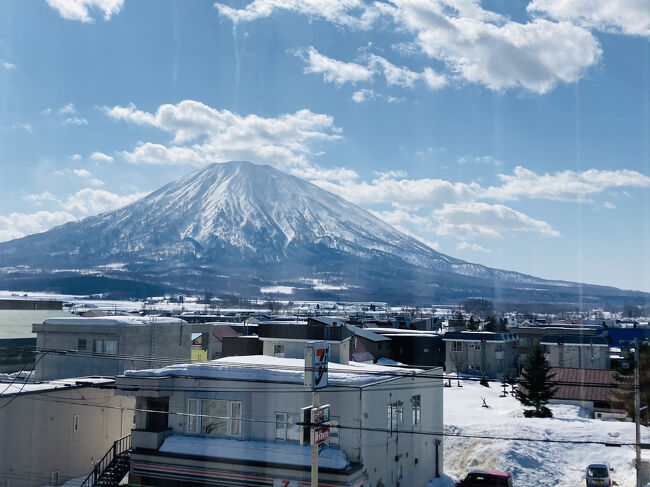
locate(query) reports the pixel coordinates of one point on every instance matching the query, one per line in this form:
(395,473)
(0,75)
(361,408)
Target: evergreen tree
(535,387)
(472,324)
(491,324)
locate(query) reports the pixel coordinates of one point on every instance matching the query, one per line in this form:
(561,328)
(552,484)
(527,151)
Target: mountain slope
(239,227)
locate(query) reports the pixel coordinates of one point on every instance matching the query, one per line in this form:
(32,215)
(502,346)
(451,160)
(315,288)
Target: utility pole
(637,413)
(314,446)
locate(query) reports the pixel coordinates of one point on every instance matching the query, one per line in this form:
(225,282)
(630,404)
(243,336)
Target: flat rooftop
(118,320)
(264,368)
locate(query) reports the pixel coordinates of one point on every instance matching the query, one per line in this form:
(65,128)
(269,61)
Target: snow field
(531,463)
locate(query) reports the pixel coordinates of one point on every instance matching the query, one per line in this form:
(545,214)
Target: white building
(51,432)
(236,418)
(109,345)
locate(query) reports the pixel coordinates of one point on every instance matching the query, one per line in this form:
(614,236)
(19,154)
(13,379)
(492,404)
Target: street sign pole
(314,446)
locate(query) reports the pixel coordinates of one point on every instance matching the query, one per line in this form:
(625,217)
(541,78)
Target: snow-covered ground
(531,463)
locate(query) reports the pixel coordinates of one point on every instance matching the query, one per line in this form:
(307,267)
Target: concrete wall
(494,359)
(578,356)
(37,435)
(339,351)
(139,342)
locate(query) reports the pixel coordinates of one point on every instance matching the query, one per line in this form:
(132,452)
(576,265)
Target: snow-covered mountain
(245,228)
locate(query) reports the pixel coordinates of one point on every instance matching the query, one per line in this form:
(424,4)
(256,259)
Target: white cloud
(67,109)
(353,13)
(474,44)
(82,173)
(16,225)
(334,71)
(284,141)
(46,111)
(7,65)
(41,197)
(479,160)
(362,95)
(403,193)
(333,174)
(80,9)
(89,201)
(395,76)
(467,221)
(433,80)
(474,247)
(631,17)
(339,72)
(75,157)
(75,121)
(483,47)
(565,185)
(609,206)
(25,126)
(101,157)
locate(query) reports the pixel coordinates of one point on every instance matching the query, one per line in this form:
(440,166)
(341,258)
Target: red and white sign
(320,434)
(317,356)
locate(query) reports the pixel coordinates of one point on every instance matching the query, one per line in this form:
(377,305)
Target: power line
(356,428)
(408,370)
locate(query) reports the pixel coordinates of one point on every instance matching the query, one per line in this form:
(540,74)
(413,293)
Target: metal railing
(120,446)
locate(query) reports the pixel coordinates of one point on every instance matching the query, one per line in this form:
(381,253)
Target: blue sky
(513,134)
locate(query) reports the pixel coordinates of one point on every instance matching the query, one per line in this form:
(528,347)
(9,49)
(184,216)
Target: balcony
(148,440)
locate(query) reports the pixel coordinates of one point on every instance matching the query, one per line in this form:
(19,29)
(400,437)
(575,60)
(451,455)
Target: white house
(236,420)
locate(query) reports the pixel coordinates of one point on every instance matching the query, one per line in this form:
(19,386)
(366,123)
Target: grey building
(109,345)
(56,431)
(530,336)
(181,437)
(481,353)
(577,351)
(288,340)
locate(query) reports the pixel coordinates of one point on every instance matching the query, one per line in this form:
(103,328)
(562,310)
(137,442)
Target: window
(456,346)
(286,427)
(334,431)
(416,401)
(81,344)
(214,417)
(278,350)
(105,346)
(192,419)
(395,411)
(75,423)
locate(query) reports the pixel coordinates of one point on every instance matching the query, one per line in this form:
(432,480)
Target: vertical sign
(317,356)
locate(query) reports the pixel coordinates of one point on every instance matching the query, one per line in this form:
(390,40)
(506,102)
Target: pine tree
(535,387)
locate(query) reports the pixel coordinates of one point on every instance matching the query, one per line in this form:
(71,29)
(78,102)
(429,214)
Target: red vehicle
(486,478)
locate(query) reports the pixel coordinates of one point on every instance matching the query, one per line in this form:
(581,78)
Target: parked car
(486,478)
(598,475)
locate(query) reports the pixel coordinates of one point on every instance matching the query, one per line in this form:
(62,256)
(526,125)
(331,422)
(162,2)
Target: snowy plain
(532,463)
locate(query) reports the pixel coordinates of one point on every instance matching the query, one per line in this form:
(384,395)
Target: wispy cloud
(80,9)
(101,157)
(334,71)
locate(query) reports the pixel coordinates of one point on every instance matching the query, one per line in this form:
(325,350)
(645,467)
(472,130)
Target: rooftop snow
(265,368)
(7,388)
(115,320)
(283,454)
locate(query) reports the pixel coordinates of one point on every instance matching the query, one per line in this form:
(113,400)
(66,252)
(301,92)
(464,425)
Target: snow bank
(561,464)
(280,453)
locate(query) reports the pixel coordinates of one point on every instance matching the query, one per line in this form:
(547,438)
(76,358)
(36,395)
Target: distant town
(186,390)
